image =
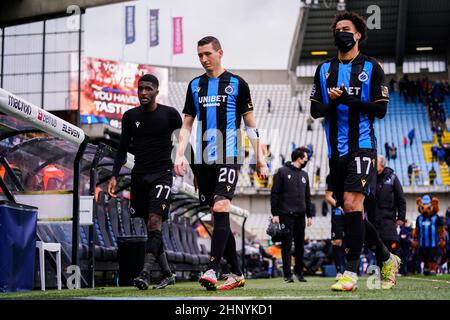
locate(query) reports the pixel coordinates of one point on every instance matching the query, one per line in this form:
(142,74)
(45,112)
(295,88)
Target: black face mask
(303,165)
(344,41)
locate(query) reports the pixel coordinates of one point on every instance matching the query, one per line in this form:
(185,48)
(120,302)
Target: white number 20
(223,175)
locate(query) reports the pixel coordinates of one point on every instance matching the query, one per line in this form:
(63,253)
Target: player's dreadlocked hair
(356,19)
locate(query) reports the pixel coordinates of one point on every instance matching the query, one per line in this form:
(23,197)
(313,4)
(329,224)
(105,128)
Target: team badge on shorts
(228,188)
(385,91)
(363,181)
(363,76)
(163,206)
(229,89)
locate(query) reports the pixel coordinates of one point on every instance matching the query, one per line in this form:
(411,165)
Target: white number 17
(358,164)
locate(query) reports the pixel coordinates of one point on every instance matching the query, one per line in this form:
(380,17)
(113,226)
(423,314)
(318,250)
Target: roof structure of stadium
(13,12)
(404,25)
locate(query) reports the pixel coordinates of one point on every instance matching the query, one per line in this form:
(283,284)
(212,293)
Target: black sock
(373,242)
(231,256)
(219,238)
(337,258)
(154,243)
(153,250)
(164,265)
(353,238)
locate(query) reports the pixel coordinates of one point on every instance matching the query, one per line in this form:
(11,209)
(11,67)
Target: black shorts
(337,224)
(215,180)
(355,172)
(151,193)
(429,254)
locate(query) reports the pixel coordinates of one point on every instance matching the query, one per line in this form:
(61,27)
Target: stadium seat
(172,255)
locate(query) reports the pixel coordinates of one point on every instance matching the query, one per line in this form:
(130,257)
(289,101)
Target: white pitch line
(429,280)
(309,297)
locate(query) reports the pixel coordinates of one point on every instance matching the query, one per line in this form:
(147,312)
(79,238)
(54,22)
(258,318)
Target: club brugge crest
(198,89)
(229,89)
(363,76)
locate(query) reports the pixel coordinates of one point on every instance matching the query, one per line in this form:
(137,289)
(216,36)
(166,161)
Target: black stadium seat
(183,235)
(172,255)
(192,239)
(188,258)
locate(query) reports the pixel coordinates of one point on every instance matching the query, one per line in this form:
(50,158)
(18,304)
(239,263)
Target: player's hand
(275,219)
(112,187)
(195,184)
(181,165)
(309,222)
(400,222)
(262,170)
(334,93)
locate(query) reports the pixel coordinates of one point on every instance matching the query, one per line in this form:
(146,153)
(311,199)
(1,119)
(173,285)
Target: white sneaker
(209,280)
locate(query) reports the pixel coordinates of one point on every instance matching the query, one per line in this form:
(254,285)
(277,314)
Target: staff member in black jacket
(290,201)
(390,205)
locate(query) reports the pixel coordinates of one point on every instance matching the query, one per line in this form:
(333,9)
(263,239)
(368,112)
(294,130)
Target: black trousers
(296,225)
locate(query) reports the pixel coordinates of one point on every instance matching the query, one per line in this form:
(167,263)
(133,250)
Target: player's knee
(154,222)
(221,204)
(353,202)
(337,243)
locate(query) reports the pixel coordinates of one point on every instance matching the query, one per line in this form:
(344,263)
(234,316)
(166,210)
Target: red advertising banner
(177,35)
(109,88)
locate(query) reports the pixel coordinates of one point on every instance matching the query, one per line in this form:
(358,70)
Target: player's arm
(400,203)
(379,95)
(318,108)
(190,113)
(181,162)
(308,202)
(275,195)
(253,135)
(244,105)
(329,198)
(377,109)
(121,156)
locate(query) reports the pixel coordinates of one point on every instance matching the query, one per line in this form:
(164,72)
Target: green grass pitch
(408,288)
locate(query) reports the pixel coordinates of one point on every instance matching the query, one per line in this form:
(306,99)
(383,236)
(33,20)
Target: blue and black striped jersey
(218,104)
(429,230)
(348,129)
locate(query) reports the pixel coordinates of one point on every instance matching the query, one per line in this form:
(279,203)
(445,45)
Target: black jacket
(390,204)
(290,192)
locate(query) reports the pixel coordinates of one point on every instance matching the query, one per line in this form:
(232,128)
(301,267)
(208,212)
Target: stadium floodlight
(319,53)
(424,48)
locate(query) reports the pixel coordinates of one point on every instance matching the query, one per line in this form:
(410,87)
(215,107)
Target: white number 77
(161,187)
(358,164)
